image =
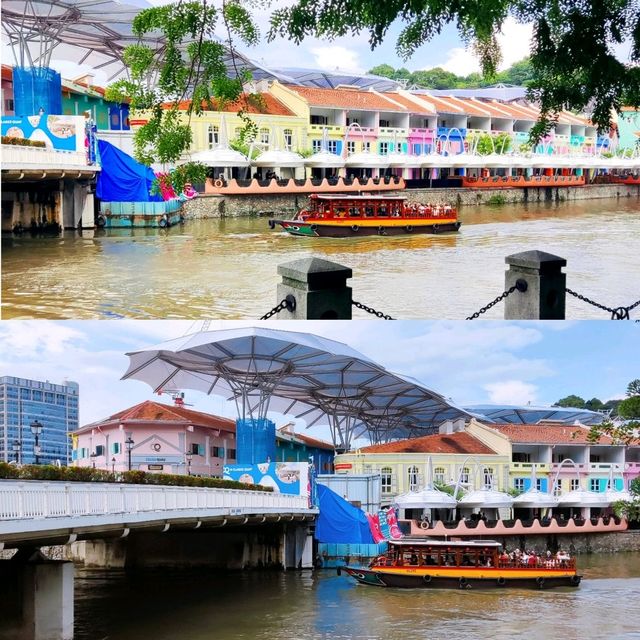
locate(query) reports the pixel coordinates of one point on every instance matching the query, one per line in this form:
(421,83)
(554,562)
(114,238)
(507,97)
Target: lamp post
(113,465)
(36,429)
(129,442)
(189,455)
(16,450)
(93,459)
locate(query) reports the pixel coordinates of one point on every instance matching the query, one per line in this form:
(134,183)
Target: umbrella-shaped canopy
(583,498)
(428,498)
(91,32)
(366,160)
(534,498)
(496,160)
(487,498)
(277,159)
(221,157)
(294,373)
(324,160)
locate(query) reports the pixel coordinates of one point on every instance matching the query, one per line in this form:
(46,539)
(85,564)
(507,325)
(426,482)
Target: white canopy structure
(427,498)
(533,498)
(324,160)
(584,498)
(221,157)
(486,498)
(366,160)
(278,159)
(309,377)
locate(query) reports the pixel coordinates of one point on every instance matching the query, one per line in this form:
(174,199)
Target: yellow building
(404,465)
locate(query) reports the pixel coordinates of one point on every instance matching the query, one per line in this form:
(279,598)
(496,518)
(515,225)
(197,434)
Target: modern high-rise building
(32,409)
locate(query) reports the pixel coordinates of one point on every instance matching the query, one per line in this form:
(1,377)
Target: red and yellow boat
(468,564)
(340,216)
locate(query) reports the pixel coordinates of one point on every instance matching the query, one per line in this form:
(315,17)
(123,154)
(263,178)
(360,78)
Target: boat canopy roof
(337,196)
(428,542)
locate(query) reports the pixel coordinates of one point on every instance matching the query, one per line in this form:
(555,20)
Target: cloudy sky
(469,362)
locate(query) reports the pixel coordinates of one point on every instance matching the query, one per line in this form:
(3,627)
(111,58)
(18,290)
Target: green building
(629,127)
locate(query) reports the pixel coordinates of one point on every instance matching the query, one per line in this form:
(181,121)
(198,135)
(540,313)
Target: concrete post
(319,287)
(544,298)
(47,605)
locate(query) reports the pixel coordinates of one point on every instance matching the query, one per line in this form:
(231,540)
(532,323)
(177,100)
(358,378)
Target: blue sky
(470,362)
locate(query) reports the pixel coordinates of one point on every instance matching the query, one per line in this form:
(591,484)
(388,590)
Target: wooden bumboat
(470,564)
(340,216)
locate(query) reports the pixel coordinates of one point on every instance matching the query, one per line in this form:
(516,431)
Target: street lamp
(189,456)
(129,442)
(16,450)
(113,465)
(93,457)
(36,429)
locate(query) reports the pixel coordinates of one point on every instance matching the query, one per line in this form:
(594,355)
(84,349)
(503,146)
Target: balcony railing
(36,500)
(443,131)
(419,132)
(331,128)
(540,466)
(37,157)
(402,132)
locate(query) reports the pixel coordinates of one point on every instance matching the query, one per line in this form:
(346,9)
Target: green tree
(571,401)
(190,67)
(595,404)
(572,50)
(633,388)
(436,78)
(384,70)
(629,408)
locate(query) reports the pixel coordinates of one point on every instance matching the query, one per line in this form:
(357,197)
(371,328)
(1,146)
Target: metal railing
(16,154)
(36,499)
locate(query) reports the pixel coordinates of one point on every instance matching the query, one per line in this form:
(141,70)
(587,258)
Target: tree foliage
(189,70)
(519,74)
(485,143)
(571,401)
(572,50)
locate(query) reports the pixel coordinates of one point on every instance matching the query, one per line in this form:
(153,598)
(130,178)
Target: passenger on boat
(414,559)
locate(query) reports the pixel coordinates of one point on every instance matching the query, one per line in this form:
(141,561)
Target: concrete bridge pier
(297,546)
(38,603)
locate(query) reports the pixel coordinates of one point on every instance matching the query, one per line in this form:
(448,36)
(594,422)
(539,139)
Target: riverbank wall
(281,205)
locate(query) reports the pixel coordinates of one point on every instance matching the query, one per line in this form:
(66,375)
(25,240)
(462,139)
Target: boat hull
(471,579)
(357,229)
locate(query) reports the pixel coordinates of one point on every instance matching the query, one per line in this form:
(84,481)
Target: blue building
(25,402)
(295,447)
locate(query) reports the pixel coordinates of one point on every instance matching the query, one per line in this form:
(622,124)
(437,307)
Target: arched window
(386,474)
(464,476)
(413,478)
(438,475)
(264,137)
(488,477)
(288,139)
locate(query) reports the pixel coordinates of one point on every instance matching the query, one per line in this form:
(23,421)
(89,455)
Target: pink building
(152,436)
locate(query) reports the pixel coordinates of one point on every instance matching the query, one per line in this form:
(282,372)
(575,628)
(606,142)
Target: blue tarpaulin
(123,179)
(340,521)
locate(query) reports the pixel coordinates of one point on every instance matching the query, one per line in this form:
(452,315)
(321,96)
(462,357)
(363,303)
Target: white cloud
(511,392)
(336,57)
(514,41)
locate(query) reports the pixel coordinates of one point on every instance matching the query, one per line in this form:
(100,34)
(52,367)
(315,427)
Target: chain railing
(364,307)
(520,285)
(617,313)
(288,303)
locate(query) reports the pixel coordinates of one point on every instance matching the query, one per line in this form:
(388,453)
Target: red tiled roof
(156,411)
(411,105)
(459,442)
(267,104)
(470,107)
(352,99)
(546,433)
(443,105)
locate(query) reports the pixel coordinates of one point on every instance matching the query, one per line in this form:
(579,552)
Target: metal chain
(502,296)
(288,303)
(619,313)
(364,307)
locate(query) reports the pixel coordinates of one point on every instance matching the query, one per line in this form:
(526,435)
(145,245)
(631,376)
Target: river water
(227,268)
(174,605)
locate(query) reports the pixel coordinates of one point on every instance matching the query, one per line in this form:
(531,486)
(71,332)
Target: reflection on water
(263,606)
(228,268)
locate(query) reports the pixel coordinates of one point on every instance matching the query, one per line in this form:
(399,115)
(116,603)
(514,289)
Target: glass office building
(54,406)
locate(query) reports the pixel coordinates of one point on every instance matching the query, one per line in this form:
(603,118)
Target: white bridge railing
(37,499)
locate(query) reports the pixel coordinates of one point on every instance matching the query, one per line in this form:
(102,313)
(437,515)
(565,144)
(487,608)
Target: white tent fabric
(324,160)
(487,498)
(221,157)
(366,160)
(583,498)
(278,159)
(425,499)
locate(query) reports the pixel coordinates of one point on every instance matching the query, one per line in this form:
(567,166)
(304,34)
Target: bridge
(117,525)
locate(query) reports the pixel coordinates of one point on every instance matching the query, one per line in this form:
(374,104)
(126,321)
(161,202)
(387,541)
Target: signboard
(283,477)
(342,465)
(66,133)
(155,467)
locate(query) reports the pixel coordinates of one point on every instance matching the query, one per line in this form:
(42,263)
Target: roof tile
(546,433)
(459,442)
(346,99)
